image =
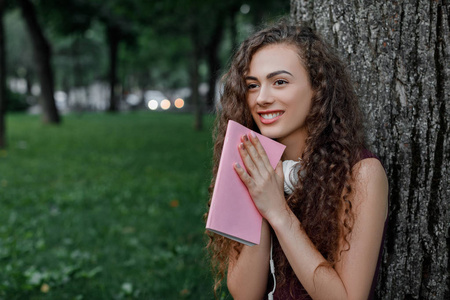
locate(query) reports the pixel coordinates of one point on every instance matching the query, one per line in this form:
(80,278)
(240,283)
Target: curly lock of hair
(334,143)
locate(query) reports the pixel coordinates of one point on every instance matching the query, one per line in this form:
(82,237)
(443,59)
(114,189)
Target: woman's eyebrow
(270,75)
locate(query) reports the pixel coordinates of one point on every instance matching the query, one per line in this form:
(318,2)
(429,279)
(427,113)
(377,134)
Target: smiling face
(279,93)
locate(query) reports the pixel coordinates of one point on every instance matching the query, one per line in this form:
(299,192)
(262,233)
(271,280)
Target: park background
(106,113)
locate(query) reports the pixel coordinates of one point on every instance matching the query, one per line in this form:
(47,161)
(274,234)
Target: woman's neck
(295,145)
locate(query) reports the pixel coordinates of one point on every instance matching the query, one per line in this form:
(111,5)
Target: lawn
(105,207)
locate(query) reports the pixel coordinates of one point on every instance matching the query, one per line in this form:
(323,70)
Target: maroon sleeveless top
(298,292)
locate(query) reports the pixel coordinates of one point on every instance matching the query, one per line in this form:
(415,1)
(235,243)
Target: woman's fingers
(264,184)
(258,156)
(245,177)
(279,172)
(248,161)
(258,169)
(257,144)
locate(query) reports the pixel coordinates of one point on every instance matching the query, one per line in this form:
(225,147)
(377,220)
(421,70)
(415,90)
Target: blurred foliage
(80,59)
(16,102)
(156,38)
(19,61)
(166,64)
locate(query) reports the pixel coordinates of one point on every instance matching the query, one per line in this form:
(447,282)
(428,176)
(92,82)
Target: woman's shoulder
(368,162)
(368,166)
(371,183)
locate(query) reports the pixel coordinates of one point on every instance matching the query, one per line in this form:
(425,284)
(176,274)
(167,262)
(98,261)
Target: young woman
(324,207)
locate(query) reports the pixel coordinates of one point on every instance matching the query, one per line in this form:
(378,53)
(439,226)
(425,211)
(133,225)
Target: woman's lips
(270,117)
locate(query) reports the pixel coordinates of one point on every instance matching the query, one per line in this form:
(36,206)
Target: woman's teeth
(270,116)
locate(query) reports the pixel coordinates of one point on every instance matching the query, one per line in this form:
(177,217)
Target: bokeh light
(153,104)
(245,9)
(165,104)
(179,103)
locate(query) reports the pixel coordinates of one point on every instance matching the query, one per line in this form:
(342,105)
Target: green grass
(105,207)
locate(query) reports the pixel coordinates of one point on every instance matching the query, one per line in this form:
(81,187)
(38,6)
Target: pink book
(233,213)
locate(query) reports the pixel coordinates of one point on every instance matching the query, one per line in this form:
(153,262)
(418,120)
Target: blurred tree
(80,58)
(225,18)
(148,41)
(42,56)
(75,17)
(399,57)
(78,46)
(155,61)
(3,100)
(241,18)
(116,15)
(232,16)
(20,63)
(196,38)
(177,19)
(205,23)
(181,18)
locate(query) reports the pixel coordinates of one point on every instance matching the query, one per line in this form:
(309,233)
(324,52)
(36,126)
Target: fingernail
(245,138)
(253,134)
(237,165)
(241,145)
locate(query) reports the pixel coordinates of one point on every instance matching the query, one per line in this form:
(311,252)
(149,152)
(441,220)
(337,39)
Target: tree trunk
(3,100)
(113,43)
(195,79)
(42,56)
(212,55)
(398,53)
(234,33)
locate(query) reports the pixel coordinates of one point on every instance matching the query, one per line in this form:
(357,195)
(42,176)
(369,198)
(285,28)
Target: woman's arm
(353,274)
(248,272)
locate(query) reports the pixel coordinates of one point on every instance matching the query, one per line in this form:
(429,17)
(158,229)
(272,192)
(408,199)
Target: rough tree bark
(3,100)
(42,56)
(398,53)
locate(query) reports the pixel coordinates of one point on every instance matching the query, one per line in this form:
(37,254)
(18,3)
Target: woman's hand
(264,184)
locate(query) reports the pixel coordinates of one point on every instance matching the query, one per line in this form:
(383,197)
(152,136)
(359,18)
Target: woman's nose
(264,97)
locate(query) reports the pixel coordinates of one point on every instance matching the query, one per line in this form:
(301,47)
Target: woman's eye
(252,86)
(280,82)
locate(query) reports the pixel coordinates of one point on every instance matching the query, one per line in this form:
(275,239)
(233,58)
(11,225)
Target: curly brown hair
(334,143)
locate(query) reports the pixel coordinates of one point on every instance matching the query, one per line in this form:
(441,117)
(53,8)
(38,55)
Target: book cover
(233,213)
